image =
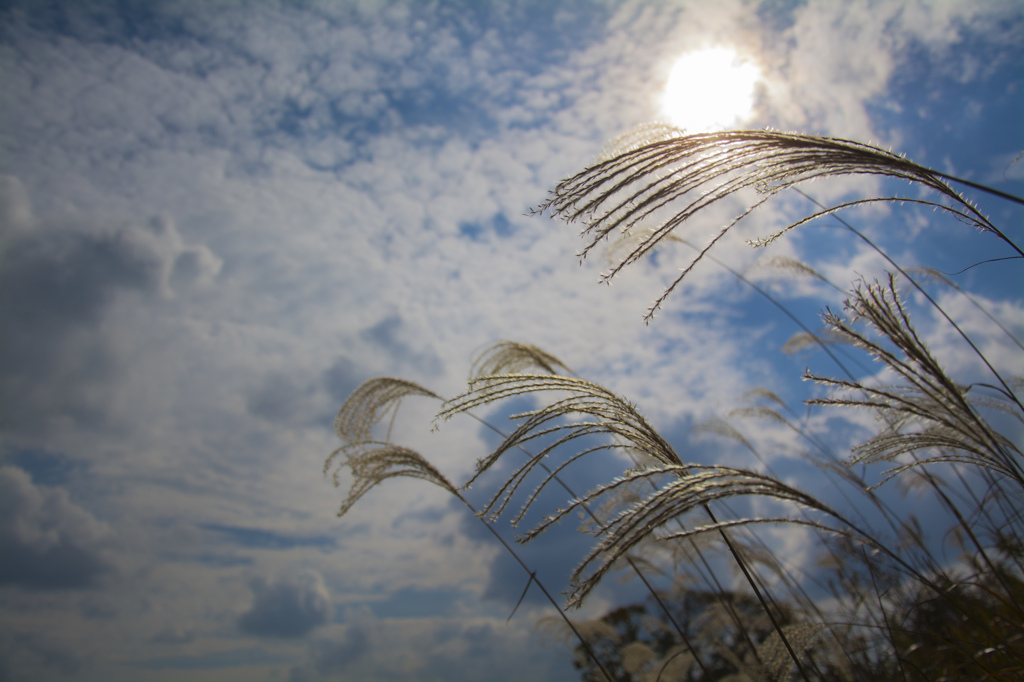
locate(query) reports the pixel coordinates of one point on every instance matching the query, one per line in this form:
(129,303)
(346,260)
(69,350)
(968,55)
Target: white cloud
(1000,348)
(288,607)
(48,541)
(834,61)
(60,283)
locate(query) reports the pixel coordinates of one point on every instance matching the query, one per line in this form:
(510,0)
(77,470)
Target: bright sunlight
(710,90)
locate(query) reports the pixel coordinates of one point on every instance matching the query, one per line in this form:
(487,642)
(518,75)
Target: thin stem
(760,597)
(885,615)
(533,577)
(983,188)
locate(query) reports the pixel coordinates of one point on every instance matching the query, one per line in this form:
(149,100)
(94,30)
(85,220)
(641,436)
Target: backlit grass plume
(690,173)
(679,491)
(369,403)
(614,419)
(371,462)
(513,357)
(926,412)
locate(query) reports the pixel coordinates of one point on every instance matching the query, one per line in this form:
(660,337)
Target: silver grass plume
(370,461)
(690,488)
(369,403)
(610,415)
(948,427)
(513,357)
(623,191)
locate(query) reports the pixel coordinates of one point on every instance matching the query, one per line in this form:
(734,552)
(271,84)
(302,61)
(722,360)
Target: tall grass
(885,601)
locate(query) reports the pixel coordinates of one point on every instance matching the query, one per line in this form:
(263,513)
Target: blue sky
(218,219)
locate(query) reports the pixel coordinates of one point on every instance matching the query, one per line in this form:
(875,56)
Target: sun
(709,90)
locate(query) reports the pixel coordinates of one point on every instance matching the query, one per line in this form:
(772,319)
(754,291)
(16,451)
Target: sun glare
(710,90)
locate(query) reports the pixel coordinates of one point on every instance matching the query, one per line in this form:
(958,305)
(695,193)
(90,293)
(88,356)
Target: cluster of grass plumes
(885,601)
(370,462)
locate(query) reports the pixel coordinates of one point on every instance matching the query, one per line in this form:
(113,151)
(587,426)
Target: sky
(218,218)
